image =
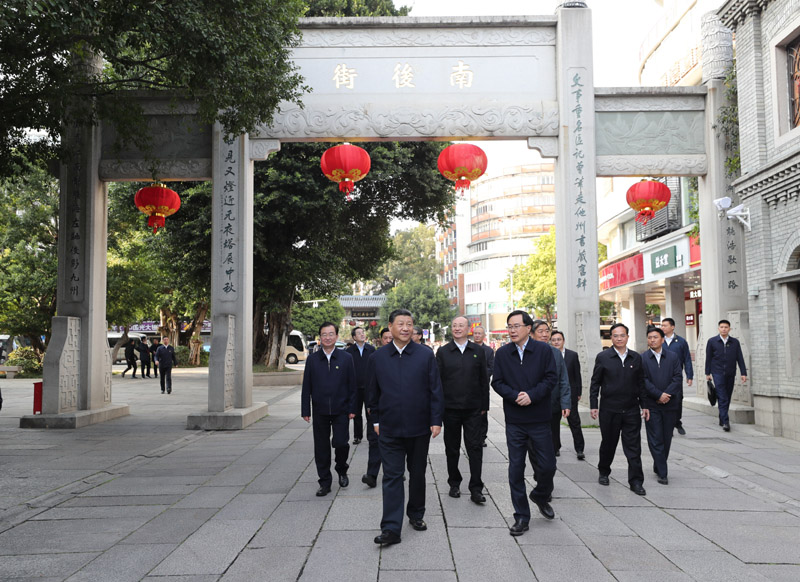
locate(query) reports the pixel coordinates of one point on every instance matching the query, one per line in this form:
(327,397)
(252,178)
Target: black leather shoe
(581,456)
(531,497)
(663,480)
(545,509)
(323,491)
(484,444)
(369,480)
(163,392)
(343,480)
(454,492)
(558,453)
(638,489)
(603,479)
(681,430)
(726,427)
(418,524)
(477,497)
(519,528)
(356,441)
(169,391)
(387,538)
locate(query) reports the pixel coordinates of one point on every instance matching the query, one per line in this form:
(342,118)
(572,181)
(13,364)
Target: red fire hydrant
(37,397)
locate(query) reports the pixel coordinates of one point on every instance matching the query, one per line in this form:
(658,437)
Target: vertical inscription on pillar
(734,266)
(75,232)
(69,373)
(229,242)
(230,361)
(577,201)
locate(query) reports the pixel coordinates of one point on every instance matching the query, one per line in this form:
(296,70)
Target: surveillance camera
(723,203)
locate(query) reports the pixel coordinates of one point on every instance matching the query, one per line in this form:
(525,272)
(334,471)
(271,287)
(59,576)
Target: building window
(793,61)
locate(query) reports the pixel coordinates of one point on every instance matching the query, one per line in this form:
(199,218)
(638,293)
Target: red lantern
(345,164)
(648,197)
(461,163)
(157,201)
(373,323)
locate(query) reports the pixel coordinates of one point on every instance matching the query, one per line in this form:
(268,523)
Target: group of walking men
(410,393)
(163,356)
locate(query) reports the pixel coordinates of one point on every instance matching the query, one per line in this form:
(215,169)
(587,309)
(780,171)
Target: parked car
(113,338)
(295,348)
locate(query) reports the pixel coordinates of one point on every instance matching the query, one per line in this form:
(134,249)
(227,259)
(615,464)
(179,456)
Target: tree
(232,58)
(28,250)
(423,298)
(307,316)
(413,256)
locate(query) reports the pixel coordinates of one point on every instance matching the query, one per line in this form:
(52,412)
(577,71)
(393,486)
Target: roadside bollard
(37,397)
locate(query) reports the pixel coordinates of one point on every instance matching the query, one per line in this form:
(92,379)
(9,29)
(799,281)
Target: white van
(113,338)
(295,348)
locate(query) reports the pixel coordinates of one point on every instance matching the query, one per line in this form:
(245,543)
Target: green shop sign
(666,259)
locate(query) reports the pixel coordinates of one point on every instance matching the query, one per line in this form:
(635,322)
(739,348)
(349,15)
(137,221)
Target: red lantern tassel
(462,184)
(156,221)
(347,186)
(645,215)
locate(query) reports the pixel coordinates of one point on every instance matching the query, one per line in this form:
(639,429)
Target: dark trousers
(541,438)
(627,424)
(724,386)
(146,366)
(574,421)
(131,364)
(358,419)
(396,453)
(659,436)
(468,420)
(374,456)
(484,427)
(166,378)
(555,429)
(680,413)
(155,369)
(323,425)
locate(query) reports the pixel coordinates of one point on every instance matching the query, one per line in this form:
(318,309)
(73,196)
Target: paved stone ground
(141,498)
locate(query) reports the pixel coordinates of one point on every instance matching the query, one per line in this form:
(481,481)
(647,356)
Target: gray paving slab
(250,506)
(123,563)
(554,564)
(236,474)
(713,566)
(661,530)
(120,500)
(171,526)
(779,573)
(550,533)
(145,512)
(211,549)
(462,512)
(213,497)
(272,481)
(615,553)
(618,494)
(66,535)
(40,567)
(283,563)
(416,576)
(589,517)
(717,499)
(343,555)
(190,578)
(293,523)
(355,513)
(639,575)
(420,550)
(492,555)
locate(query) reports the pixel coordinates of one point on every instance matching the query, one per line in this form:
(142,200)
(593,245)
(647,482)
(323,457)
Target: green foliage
(355,8)
(307,318)
(536,279)
(694,209)
(231,57)
(27,359)
(182,355)
(727,125)
(423,298)
(413,256)
(28,248)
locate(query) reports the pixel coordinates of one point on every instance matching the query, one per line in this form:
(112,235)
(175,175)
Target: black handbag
(711,393)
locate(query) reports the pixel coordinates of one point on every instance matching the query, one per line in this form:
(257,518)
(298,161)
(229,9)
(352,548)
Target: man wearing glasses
(525,376)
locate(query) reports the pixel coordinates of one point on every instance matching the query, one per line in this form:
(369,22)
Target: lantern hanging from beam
(462,163)
(648,197)
(345,164)
(157,201)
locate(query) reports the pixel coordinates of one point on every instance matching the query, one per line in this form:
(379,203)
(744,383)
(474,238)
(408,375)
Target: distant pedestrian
(386,336)
(677,344)
(576,389)
(663,382)
(560,397)
(165,359)
(360,351)
(479,337)
(130,357)
(153,347)
(723,353)
(144,355)
(329,398)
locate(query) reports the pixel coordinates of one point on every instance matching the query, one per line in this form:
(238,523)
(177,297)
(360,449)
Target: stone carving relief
(656,133)
(175,169)
(633,103)
(407,37)
(407,122)
(171,136)
(230,364)
(696,165)
(260,149)
(717,43)
(547,146)
(69,373)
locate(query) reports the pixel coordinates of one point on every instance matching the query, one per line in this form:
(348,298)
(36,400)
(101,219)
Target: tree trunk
(196,346)
(259,335)
(169,326)
(196,327)
(279,323)
(120,342)
(36,344)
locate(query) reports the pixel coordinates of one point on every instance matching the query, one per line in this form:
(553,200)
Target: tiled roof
(361,301)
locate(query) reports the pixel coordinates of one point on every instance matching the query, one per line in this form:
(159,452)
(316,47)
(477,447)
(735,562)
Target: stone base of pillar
(233,419)
(738,413)
(77,419)
(289,378)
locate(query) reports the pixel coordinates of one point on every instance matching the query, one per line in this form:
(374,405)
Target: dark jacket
(660,377)
(404,392)
(574,372)
(360,363)
(130,354)
(153,348)
(465,377)
(561,396)
(489,352)
(330,386)
(679,346)
(722,358)
(535,374)
(144,352)
(622,386)
(165,356)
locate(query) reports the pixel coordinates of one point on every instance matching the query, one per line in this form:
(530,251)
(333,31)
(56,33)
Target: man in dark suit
(361,351)
(576,391)
(663,383)
(465,384)
(560,396)
(723,353)
(618,380)
(329,382)
(524,376)
(479,337)
(677,344)
(405,399)
(165,360)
